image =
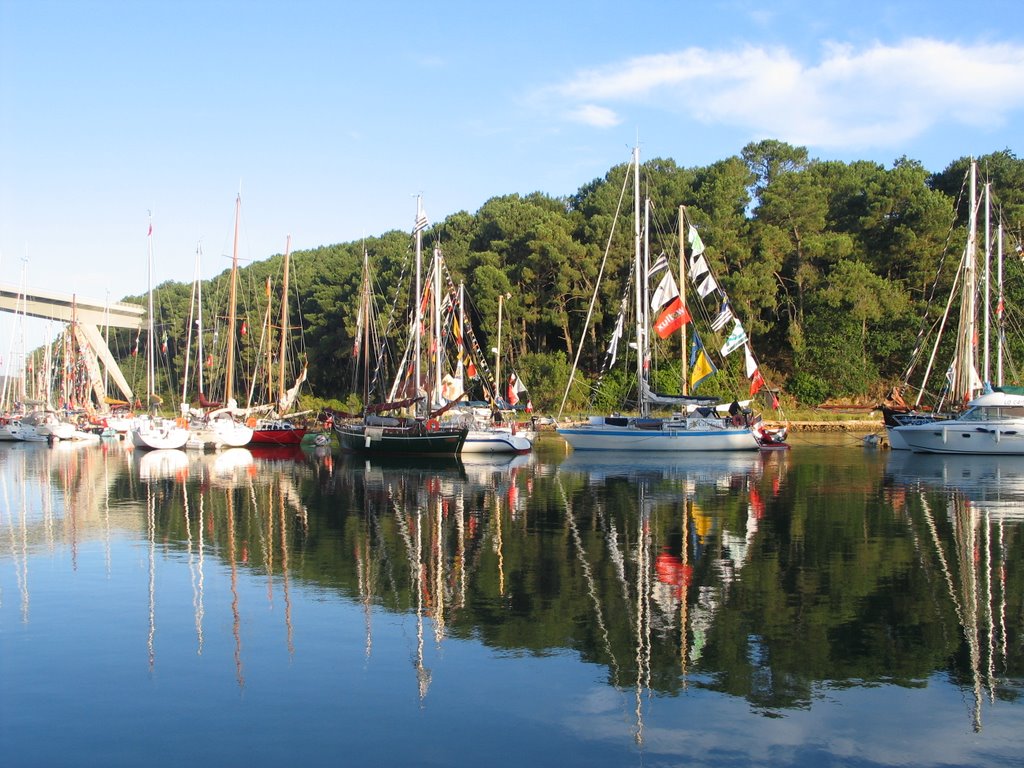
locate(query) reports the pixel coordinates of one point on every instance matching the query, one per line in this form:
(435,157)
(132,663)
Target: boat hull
(162,434)
(630,438)
(972,439)
(415,440)
(291,436)
(495,441)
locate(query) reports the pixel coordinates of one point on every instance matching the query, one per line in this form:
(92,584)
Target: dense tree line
(833,268)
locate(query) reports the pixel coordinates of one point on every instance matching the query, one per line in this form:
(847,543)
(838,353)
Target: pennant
(736,338)
(513,389)
(696,244)
(700,365)
(702,368)
(659,264)
(209,361)
(471,369)
(751,364)
(756,382)
(674,317)
(421,221)
(613,346)
(707,286)
(724,316)
(163,344)
(666,291)
(698,268)
(245,328)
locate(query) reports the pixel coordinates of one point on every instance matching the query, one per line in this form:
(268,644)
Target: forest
(836,270)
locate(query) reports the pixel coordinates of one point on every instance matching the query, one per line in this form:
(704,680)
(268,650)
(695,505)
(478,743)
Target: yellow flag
(702,368)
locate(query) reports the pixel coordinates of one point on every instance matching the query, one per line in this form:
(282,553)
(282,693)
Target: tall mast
(638,281)
(497,354)
(150,352)
(999,303)
(988,288)
(229,373)
(283,349)
(436,326)
(418,310)
(683,362)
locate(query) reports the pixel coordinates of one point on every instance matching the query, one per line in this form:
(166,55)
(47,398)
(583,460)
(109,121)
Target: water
(830,604)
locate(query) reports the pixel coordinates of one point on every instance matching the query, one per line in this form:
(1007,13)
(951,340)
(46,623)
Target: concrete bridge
(86,316)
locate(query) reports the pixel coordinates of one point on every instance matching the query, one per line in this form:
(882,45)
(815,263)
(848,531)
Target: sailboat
(488,433)
(218,427)
(274,428)
(702,424)
(152,431)
(992,421)
(378,433)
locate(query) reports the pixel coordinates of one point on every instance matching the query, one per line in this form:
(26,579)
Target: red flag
(209,361)
(245,328)
(756,382)
(513,390)
(672,318)
(471,370)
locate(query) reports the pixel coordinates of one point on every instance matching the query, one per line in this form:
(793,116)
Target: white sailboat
(153,431)
(992,422)
(700,425)
(218,427)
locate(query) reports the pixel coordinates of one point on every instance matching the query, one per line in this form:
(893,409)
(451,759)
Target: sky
(330,117)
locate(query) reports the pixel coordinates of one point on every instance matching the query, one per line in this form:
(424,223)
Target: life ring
(433,425)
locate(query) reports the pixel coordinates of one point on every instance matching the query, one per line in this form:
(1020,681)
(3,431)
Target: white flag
(750,361)
(659,264)
(724,316)
(667,290)
(698,268)
(696,244)
(737,336)
(706,286)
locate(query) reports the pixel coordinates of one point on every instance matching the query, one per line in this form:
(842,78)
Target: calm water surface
(827,605)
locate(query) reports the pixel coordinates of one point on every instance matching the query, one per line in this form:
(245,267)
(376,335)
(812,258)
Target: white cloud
(591,114)
(880,96)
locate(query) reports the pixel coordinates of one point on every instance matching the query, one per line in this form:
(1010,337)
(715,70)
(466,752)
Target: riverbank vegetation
(830,265)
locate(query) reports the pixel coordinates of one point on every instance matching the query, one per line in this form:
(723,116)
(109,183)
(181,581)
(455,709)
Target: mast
(418,309)
(229,373)
(497,354)
(283,349)
(638,281)
(683,361)
(188,340)
(988,290)
(999,303)
(150,372)
(435,327)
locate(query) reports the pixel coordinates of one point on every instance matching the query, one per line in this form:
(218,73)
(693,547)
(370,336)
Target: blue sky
(330,117)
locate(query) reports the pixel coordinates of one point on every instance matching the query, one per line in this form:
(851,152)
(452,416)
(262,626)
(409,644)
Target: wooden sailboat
(275,429)
(377,433)
(152,431)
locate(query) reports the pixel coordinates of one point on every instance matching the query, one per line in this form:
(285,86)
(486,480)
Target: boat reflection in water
(626,607)
(979,500)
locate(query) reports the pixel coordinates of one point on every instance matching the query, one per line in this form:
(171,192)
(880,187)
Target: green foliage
(829,265)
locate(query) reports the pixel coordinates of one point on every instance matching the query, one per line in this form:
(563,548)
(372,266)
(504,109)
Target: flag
(724,316)
(751,363)
(756,382)
(613,345)
(421,221)
(698,268)
(163,344)
(672,318)
(706,286)
(513,389)
(696,244)
(737,336)
(665,292)
(659,264)
(209,361)
(700,366)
